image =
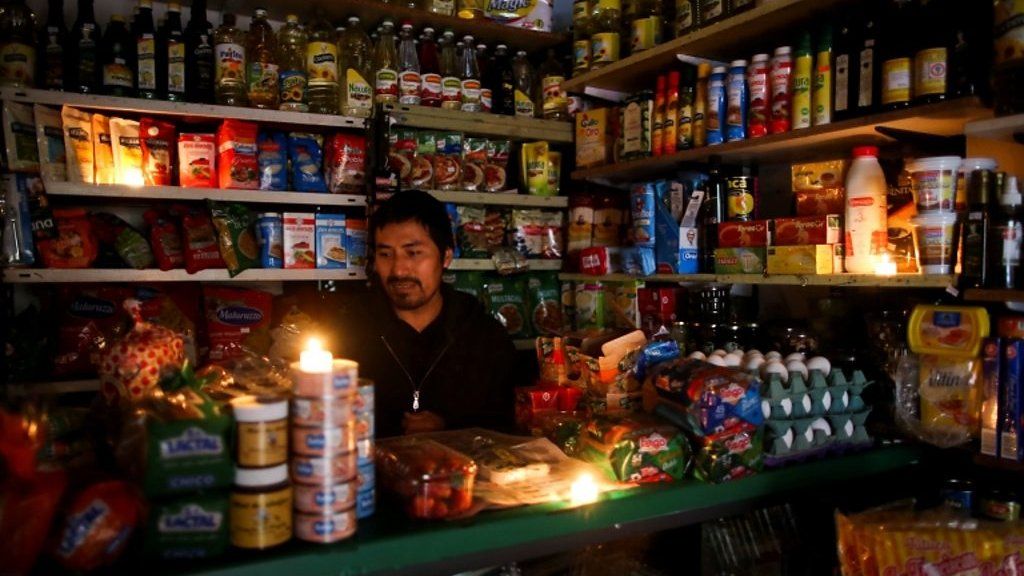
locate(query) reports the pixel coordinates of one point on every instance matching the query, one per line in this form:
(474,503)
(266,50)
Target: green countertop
(390,543)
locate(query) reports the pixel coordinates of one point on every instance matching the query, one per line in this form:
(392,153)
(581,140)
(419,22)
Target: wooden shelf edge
(500,199)
(172,193)
(837,280)
(993,295)
(90,275)
(483,123)
(1000,128)
(486,264)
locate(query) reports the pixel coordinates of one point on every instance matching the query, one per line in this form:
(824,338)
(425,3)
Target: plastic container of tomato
(432,480)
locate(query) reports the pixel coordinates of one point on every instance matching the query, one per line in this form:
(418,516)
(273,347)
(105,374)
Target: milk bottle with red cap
(866,231)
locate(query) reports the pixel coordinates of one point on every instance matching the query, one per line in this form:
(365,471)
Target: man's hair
(420,207)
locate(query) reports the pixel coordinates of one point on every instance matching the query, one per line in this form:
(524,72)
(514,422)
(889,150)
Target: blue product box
(1010,406)
(991,366)
(331,241)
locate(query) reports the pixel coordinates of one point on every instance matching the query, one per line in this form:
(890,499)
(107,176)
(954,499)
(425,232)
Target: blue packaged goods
(666,226)
(642,210)
(655,353)
(331,241)
(355,242)
(366,502)
(269,233)
(18,245)
(1010,412)
(272,157)
(715,120)
(715,398)
(736,97)
(991,366)
(307,159)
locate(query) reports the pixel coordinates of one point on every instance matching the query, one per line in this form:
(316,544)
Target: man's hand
(417,422)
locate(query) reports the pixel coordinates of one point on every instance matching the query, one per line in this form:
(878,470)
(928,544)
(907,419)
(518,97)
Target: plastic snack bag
(346,166)
(238,246)
(124,138)
(98,526)
(78,146)
(129,244)
(20,137)
(473,163)
(307,160)
(237,164)
(199,240)
(273,160)
(535,168)
(496,168)
(50,141)
(165,240)
(75,245)
(103,150)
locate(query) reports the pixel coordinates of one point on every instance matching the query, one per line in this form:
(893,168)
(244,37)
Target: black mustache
(397,279)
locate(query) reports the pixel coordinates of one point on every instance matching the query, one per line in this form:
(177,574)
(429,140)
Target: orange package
(158,148)
(75,245)
(197,155)
(237,164)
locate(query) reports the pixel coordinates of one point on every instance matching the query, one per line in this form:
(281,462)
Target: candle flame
(314,344)
(584,490)
(885,266)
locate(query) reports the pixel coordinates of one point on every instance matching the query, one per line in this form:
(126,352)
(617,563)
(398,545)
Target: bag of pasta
(238,246)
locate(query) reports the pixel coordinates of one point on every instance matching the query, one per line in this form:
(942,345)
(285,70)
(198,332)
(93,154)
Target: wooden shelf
(185,110)
(54,275)
(741,34)
(487,264)
(60,387)
(837,280)
(481,123)
(944,118)
(177,193)
(1008,128)
(993,295)
(500,199)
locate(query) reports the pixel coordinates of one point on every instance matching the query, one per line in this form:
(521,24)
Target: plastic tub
(963,179)
(934,183)
(433,480)
(936,241)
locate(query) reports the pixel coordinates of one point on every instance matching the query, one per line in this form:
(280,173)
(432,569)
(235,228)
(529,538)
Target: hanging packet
(20,137)
(50,143)
(473,163)
(346,163)
(103,150)
(199,240)
(423,164)
(78,146)
(159,145)
(273,160)
(129,245)
(496,168)
(307,159)
(124,137)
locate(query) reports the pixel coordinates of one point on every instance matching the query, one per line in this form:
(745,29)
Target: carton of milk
(330,241)
(689,246)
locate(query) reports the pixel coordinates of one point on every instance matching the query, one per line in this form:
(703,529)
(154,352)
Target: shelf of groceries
(488,264)
(178,193)
(834,280)
(185,110)
(390,544)
(947,118)
(509,198)
(718,40)
(480,123)
(88,275)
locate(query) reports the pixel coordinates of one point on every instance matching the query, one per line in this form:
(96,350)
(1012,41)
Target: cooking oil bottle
(263,67)
(354,55)
(291,41)
(554,103)
(322,66)
(17,45)
(229,55)
(606,28)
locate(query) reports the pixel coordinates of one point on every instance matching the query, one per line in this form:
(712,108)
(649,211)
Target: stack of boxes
(366,484)
(796,245)
(308,240)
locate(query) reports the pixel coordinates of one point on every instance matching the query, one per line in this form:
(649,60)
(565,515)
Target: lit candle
(584,490)
(885,266)
(315,359)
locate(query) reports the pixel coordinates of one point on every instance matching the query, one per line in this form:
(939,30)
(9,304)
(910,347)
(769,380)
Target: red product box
(807,230)
(1010,327)
(743,234)
(531,401)
(600,260)
(657,307)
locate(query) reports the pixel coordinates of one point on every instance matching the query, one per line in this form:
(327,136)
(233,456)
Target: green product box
(740,260)
(188,455)
(188,527)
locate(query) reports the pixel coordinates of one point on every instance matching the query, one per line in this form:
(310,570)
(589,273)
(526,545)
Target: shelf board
(481,123)
(740,34)
(1008,128)
(172,193)
(86,275)
(993,295)
(944,118)
(389,543)
(185,110)
(488,264)
(838,280)
(50,388)
(500,199)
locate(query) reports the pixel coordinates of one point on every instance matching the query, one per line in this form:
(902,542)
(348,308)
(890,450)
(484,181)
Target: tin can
(325,528)
(1000,505)
(269,231)
(958,495)
(741,198)
(346,375)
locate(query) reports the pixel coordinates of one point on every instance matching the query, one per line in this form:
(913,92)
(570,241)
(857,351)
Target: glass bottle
(523,78)
(605,24)
(712,212)
(385,65)
(409,79)
(85,41)
(844,75)
(229,50)
(504,82)
(321,66)
(118,49)
(354,55)
(646,26)
(685,116)
(554,103)
(261,53)
(451,83)
(469,73)
(171,56)
(200,71)
(291,60)
(897,73)
(485,66)
(868,67)
(17,45)
(430,70)
(145,51)
(931,61)
(581,10)
(821,88)
(687,17)
(53,52)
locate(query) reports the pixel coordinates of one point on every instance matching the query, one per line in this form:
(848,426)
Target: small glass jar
(261,430)
(261,507)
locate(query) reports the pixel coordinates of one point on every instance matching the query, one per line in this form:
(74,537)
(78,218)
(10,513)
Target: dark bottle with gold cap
(976,229)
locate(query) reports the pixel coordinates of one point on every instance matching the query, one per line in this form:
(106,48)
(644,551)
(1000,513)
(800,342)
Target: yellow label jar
(262,431)
(261,507)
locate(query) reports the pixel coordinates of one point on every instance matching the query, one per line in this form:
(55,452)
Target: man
(438,359)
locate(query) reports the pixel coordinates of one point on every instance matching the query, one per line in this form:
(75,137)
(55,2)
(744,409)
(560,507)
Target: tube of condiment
(757,86)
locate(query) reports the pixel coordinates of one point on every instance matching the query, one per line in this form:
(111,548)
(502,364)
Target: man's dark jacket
(463,363)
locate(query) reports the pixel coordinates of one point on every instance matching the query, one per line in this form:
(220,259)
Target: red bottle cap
(865,151)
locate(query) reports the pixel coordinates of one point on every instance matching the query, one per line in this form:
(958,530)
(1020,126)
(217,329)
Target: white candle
(885,266)
(315,359)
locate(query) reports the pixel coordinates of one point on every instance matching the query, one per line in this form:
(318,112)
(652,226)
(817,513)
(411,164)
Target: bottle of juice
(171,56)
(200,70)
(522,73)
(802,77)
(118,50)
(85,69)
(554,103)
(504,82)
(263,68)
(866,214)
(470,76)
(606,32)
(581,10)
(430,70)
(17,45)
(781,90)
(355,53)
(451,84)
(845,75)
(53,52)
(145,51)
(409,79)
(229,50)
(321,66)
(821,93)
(291,46)
(385,62)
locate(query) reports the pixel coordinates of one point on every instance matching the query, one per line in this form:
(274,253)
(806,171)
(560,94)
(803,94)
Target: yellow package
(947,330)
(535,168)
(950,394)
(103,151)
(593,142)
(819,187)
(78,144)
(554,172)
(124,139)
(806,259)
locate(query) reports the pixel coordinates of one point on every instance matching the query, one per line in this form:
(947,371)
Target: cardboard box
(1010,405)
(593,137)
(331,241)
(689,250)
(816,259)
(743,234)
(991,364)
(807,230)
(819,187)
(601,260)
(658,307)
(299,240)
(739,260)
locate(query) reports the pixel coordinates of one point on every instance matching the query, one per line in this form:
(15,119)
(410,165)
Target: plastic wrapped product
(50,142)
(78,145)
(124,138)
(273,160)
(433,481)
(307,159)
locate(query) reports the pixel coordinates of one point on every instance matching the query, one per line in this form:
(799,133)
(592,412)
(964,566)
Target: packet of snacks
(422,176)
(496,168)
(401,151)
(448,161)
(473,162)
(346,163)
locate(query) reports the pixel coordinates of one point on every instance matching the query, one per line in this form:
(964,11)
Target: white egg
(773,355)
(821,364)
(754,352)
(719,352)
(796,356)
(737,353)
(697,355)
(774,367)
(794,366)
(766,408)
(716,360)
(754,364)
(732,361)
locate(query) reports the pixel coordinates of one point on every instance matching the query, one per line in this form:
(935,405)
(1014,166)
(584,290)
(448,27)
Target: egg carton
(822,395)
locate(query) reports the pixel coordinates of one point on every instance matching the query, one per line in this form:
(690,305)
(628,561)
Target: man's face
(409,264)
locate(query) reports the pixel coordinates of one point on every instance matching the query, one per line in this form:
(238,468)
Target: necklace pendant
(416,401)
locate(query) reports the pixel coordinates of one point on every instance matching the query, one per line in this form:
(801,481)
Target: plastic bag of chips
(238,246)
